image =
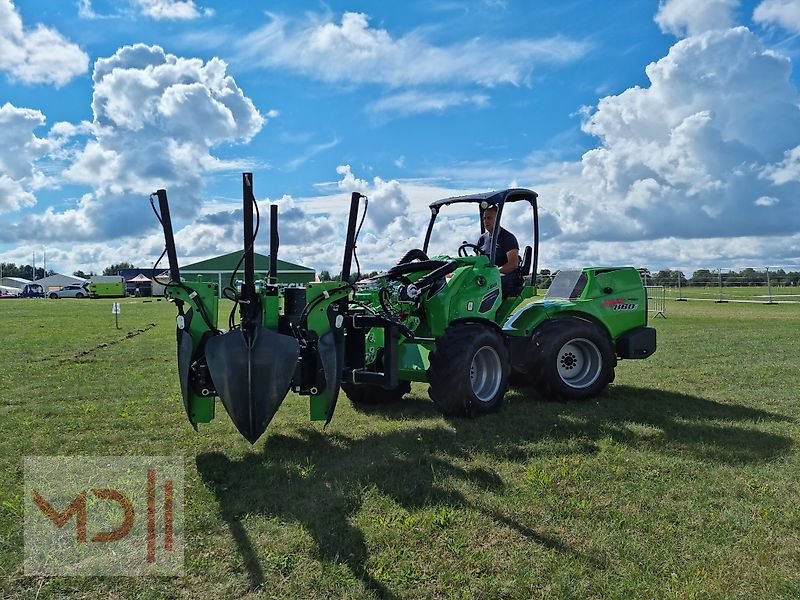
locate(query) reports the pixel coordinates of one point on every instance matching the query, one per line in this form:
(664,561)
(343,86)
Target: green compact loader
(440,319)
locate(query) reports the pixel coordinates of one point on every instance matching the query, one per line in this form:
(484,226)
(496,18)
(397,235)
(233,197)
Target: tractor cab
(529,254)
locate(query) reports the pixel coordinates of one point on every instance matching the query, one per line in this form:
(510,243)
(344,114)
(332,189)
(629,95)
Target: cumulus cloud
(690,155)
(786,171)
(353,52)
(39,54)
(21,148)
(387,200)
(783,13)
(147,105)
(689,17)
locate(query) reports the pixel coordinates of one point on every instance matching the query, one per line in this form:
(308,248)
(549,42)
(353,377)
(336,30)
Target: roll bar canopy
(484,200)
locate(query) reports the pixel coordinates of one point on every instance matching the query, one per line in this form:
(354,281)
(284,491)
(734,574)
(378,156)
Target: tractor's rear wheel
(573,359)
(469,369)
(365,393)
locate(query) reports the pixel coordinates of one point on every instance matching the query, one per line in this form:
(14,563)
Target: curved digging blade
(184,363)
(252,379)
(331,355)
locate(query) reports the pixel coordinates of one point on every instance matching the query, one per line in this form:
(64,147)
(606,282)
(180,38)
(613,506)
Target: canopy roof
(228,262)
(509,195)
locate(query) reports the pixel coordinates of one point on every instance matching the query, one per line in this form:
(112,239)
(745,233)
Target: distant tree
(324,276)
(24,271)
(702,277)
(83,275)
(669,278)
(117,267)
(544,279)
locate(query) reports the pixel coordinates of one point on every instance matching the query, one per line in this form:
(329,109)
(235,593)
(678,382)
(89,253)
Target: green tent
(220,268)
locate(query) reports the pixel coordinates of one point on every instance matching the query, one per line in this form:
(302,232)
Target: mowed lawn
(682,481)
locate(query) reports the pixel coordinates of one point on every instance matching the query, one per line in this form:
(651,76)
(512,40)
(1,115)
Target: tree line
(27,272)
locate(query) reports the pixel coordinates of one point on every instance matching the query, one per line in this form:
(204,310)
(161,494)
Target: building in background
(55,282)
(220,269)
(217,270)
(14,282)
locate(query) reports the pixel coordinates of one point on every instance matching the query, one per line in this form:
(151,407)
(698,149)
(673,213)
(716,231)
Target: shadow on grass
(701,428)
(417,465)
(406,465)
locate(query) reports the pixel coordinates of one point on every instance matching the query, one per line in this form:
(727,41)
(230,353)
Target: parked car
(73,290)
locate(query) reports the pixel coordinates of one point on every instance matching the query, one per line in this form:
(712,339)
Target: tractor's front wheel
(365,393)
(469,369)
(572,359)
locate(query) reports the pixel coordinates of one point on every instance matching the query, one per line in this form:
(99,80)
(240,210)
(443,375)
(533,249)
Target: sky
(660,134)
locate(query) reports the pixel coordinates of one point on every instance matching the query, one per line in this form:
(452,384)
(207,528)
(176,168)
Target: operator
(507,252)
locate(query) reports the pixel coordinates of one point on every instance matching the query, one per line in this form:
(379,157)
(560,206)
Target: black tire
(365,393)
(573,359)
(79,295)
(469,370)
(53,296)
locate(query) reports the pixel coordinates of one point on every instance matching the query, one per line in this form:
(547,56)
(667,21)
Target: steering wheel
(462,249)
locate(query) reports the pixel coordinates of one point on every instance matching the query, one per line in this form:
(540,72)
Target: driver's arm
(512,261)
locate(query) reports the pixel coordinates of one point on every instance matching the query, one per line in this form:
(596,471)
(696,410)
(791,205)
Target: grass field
(682,481)
(747,294)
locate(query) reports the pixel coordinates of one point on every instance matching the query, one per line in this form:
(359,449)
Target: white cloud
(783,13)
(415,102)
(687,156)
(310,153)
(169,9)
(38,54)
(689,17)
(146,105)
(20,148)
(85,10)
(786,171)
(766,201)
(352,51)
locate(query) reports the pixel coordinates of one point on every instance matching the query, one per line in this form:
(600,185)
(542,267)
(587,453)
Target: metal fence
(657,300)
(757,285)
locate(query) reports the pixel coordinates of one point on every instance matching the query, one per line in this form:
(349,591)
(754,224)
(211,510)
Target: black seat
(525,263)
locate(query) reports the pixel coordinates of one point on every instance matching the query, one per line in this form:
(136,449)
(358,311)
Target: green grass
(680,482)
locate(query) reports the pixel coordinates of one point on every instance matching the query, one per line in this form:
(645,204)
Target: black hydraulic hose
(430,278)
(412,267)
(274,242)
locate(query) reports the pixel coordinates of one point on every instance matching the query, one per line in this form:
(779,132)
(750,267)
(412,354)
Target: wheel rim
(485,373)
(579,363)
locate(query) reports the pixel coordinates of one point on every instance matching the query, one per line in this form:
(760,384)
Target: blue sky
(660,134)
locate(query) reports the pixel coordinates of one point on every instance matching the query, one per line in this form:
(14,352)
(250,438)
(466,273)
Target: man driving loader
(507,252)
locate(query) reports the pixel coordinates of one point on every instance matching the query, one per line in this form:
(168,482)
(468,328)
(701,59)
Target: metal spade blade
(331,355)
(252,379)
(184,363)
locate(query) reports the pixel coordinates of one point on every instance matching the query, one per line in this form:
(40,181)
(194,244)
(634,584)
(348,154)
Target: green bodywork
(107,289)
(612,297)
(197,296)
